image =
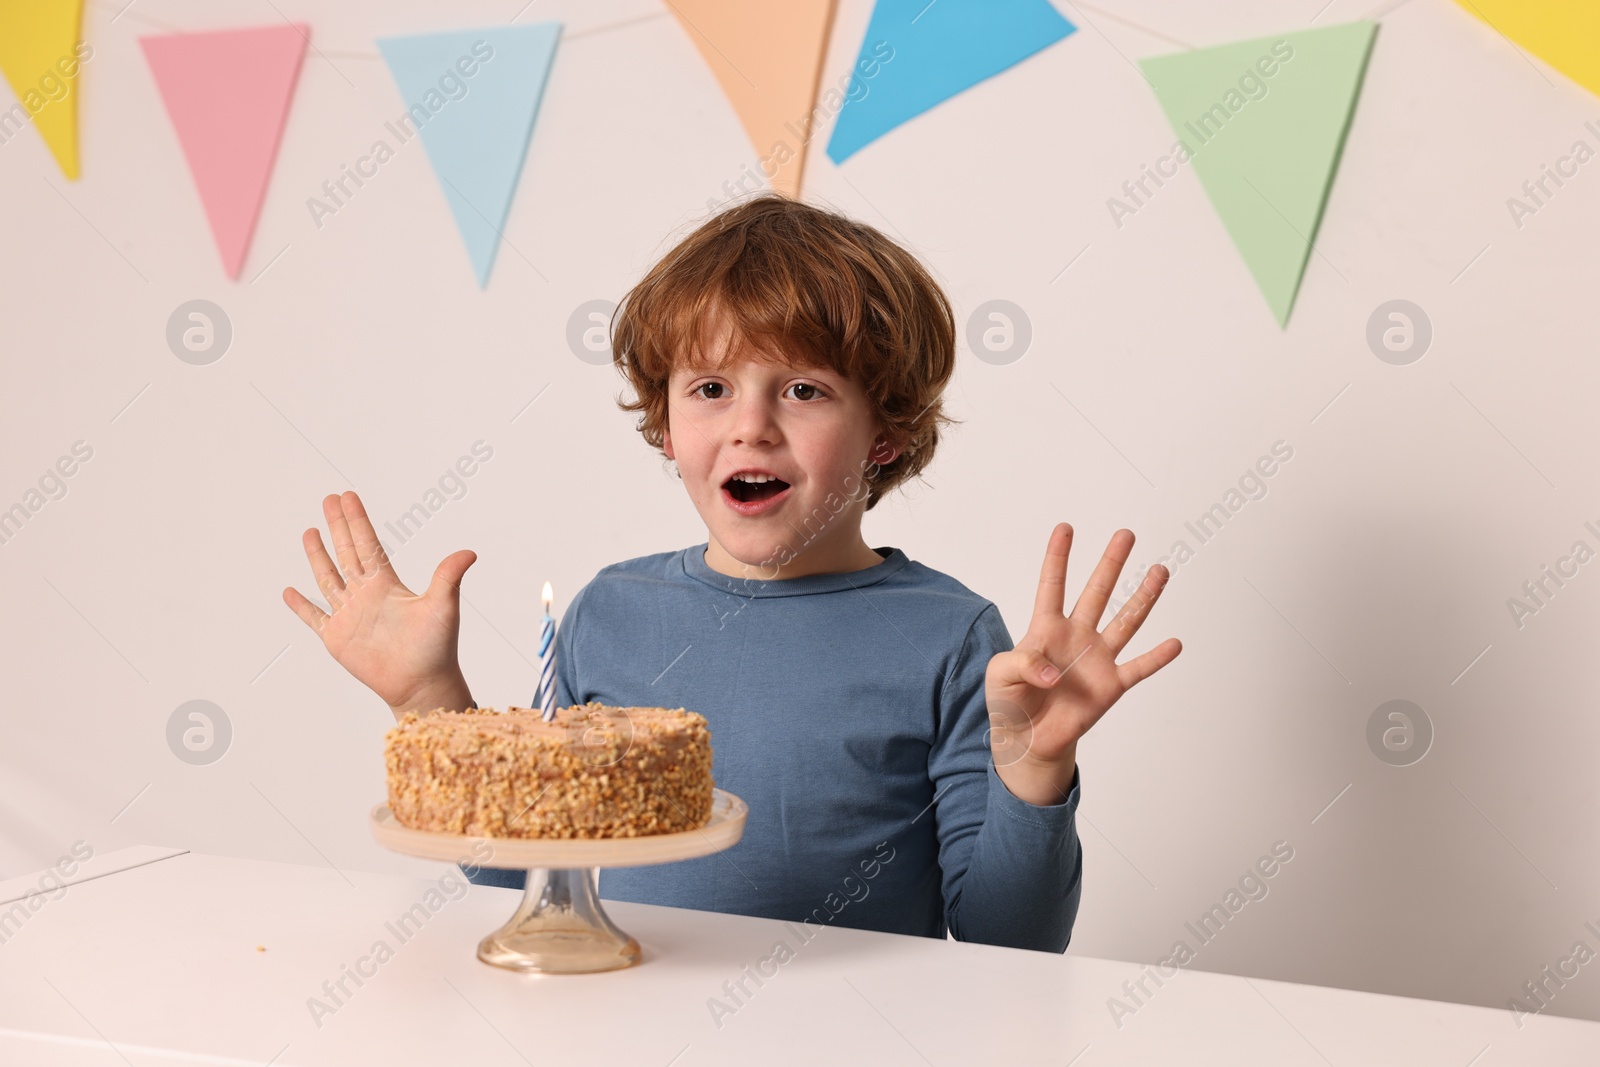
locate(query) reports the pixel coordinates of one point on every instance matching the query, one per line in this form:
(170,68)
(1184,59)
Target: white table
(154,951)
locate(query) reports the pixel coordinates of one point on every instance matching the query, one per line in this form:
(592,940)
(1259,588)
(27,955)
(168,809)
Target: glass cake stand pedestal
(560,927)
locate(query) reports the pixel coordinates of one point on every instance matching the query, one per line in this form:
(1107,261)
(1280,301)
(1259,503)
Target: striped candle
(547,659)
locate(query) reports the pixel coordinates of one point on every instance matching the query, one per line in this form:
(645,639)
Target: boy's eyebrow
(817,369)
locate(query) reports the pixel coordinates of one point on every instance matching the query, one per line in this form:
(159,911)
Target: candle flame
(549,598)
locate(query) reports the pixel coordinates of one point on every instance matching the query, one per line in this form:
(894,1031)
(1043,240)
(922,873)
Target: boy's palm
(392,640)
(1063,675)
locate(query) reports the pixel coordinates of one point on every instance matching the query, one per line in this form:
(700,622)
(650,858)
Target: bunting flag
(1263,122)
(473,95)
(40,53)
(227,93)
(924,53)
(768,60)
(1563,33)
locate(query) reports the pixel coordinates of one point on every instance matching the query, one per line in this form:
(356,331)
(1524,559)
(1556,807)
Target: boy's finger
(1126,622)
(309,613)
(447,576)
(1092,604)
(339,530)
(370,550)
(1021,666)
(323,571)
(1139,668)
(1052,595)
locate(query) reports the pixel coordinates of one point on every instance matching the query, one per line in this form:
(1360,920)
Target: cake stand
(560,927)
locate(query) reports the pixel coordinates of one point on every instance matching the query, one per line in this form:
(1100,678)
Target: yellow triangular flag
(40,54)
(768,59)
(1563,33)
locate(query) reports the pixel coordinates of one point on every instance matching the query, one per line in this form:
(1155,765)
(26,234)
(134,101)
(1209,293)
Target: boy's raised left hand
(1063,675)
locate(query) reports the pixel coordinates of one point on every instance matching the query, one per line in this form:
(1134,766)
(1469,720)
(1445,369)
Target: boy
(906,768)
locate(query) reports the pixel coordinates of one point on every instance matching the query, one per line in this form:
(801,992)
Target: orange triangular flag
(768,58)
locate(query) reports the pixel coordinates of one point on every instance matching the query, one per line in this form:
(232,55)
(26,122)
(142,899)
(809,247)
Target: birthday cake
(592,771)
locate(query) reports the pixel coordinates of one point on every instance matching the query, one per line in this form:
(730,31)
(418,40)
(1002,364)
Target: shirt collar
(696,567)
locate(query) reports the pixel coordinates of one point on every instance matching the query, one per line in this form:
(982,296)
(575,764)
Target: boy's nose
(755,420)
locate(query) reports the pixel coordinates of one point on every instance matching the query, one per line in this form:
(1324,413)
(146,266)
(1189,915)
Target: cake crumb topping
(594,771)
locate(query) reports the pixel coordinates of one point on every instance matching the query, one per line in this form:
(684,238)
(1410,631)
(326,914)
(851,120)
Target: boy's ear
(666,444)
(883,452)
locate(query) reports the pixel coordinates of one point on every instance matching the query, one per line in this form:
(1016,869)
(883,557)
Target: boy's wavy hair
(806,286)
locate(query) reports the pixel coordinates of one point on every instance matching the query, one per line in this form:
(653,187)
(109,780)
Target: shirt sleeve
(1012,872)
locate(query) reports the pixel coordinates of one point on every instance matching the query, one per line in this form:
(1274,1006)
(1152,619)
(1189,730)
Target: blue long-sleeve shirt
(848,711)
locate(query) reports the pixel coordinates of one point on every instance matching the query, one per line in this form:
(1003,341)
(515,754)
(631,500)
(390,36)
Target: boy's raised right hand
(399,645)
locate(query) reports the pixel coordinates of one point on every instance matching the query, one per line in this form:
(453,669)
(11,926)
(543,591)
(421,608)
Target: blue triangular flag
(473,95)
(933,52)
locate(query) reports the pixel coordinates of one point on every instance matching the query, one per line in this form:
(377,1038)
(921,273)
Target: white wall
(1418,500)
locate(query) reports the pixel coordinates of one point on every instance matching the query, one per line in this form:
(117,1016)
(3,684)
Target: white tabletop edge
(115,862)
(122,1049)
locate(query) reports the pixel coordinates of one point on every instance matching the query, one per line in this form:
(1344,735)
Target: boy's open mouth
(749,492)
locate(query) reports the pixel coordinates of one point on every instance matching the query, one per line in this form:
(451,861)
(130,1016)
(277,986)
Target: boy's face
(811,428)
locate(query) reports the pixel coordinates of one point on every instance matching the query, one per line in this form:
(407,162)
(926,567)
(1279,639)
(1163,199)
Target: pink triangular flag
(227,93)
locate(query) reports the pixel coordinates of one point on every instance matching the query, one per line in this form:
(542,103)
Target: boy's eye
(812,395)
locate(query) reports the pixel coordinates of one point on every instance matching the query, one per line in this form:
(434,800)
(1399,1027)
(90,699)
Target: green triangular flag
(1263,122)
